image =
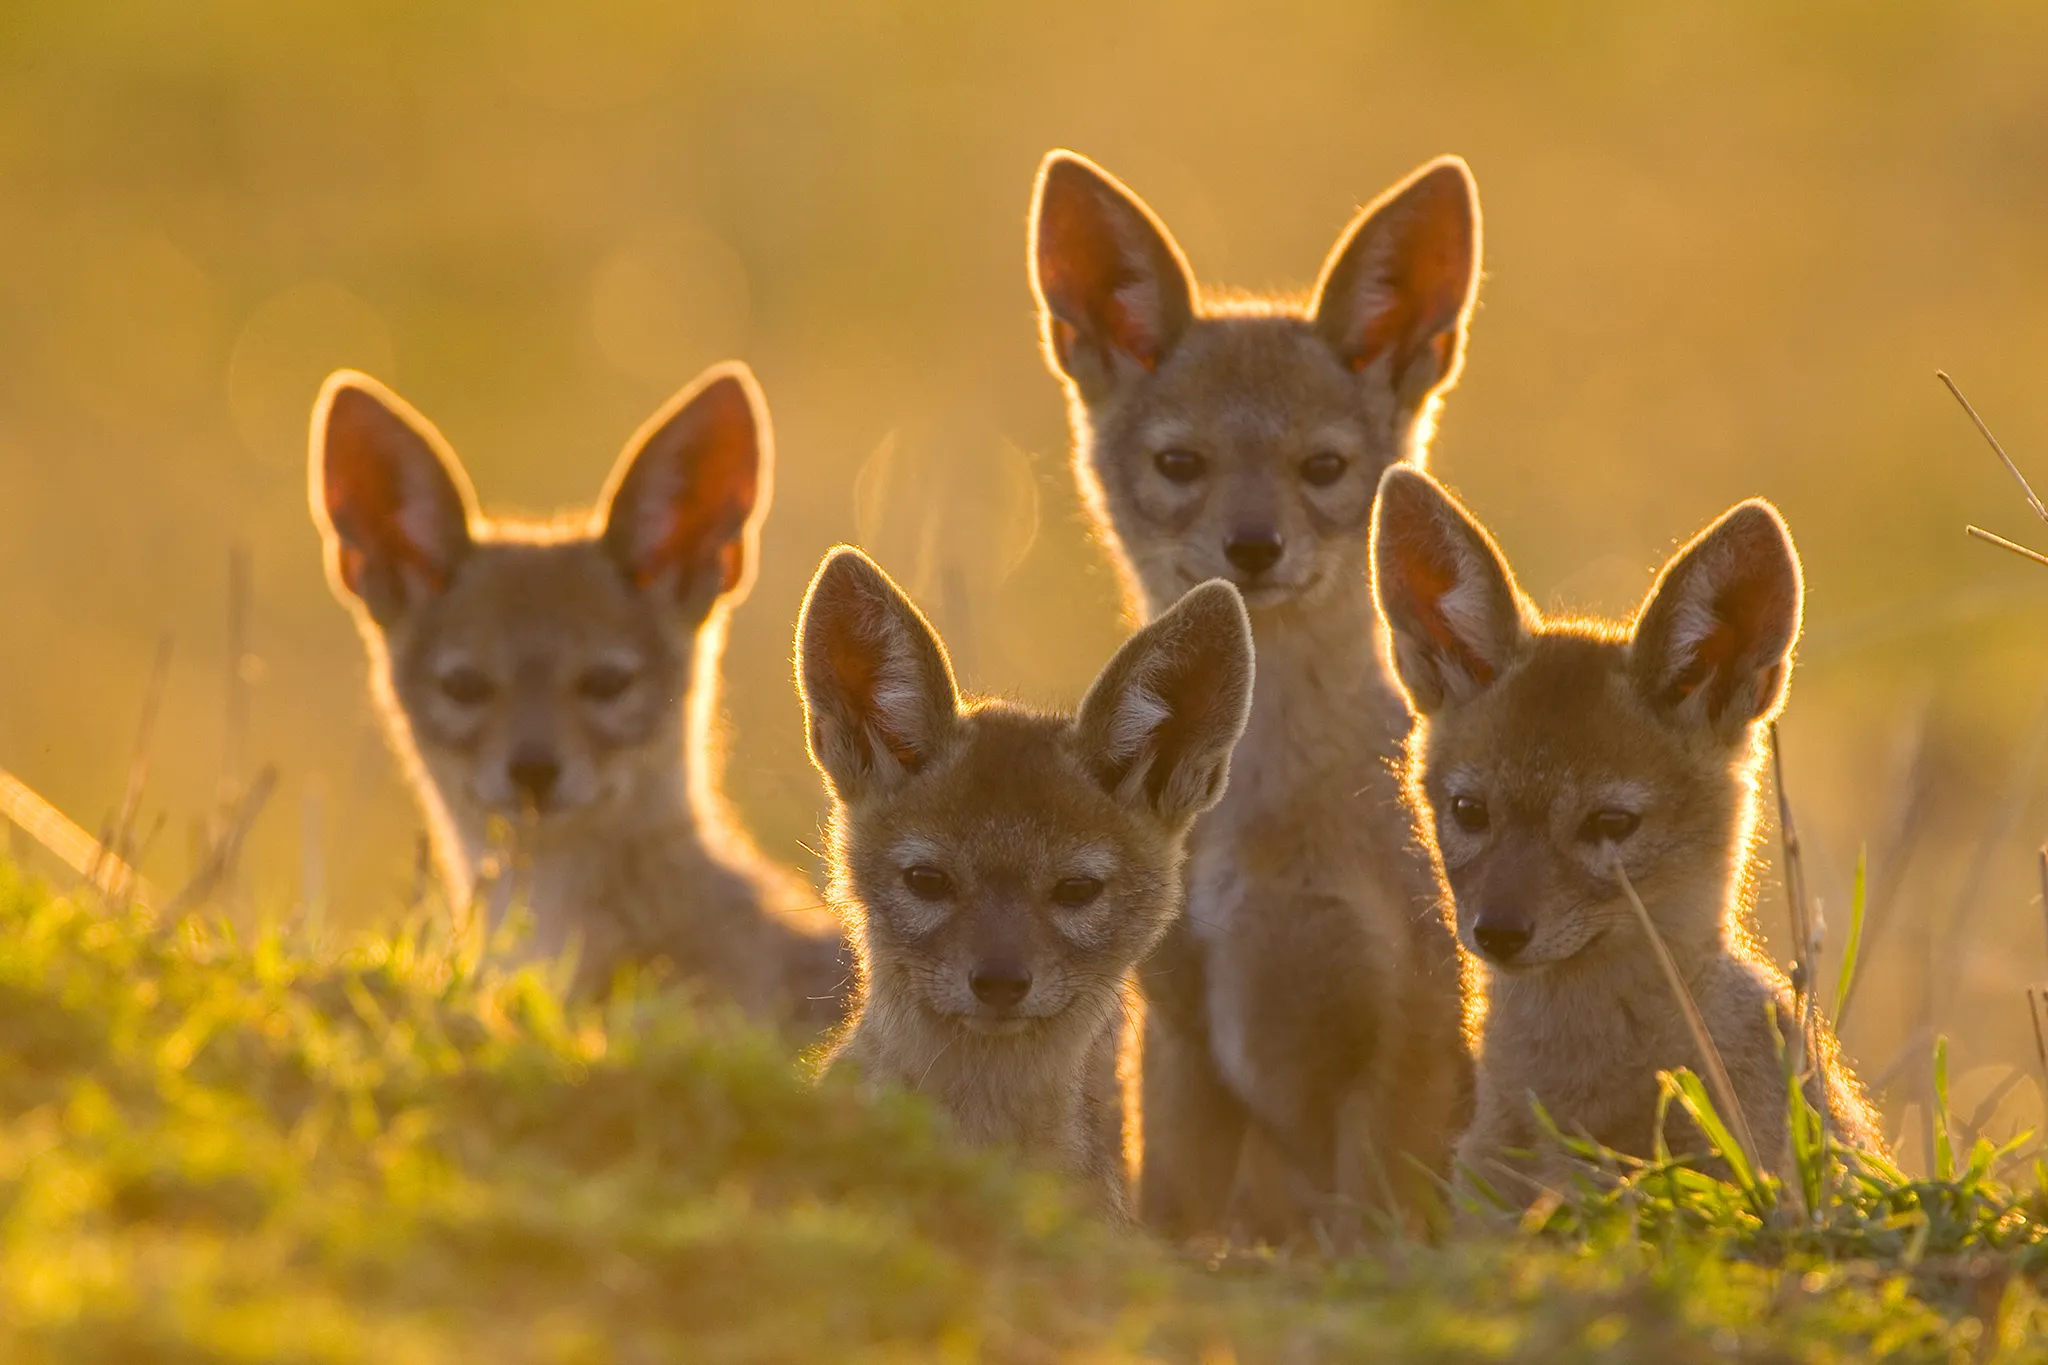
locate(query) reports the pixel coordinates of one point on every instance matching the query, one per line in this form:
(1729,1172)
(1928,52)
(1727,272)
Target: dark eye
(1076,890)
(1180,466)
(1609,826)
(1324,469)
(605,682)
(927,883)
(466,686)
(1470,813)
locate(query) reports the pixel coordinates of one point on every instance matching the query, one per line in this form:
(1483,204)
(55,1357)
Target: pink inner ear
(366,505)
(1742,612)
(1406,280)
(854,662)
(697,529)
(1711,658)
(1381,331)
(1428,579)
(1424,300)
(1114,302)
(1086,271)
(683,504)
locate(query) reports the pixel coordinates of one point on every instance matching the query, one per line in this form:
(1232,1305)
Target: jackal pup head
(1010,867)
(1243,438)
(1543,750)
(539,667)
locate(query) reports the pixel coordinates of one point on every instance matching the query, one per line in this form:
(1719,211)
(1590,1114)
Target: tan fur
(1310,996)
(1002,871)
(1542,750)
(556,682)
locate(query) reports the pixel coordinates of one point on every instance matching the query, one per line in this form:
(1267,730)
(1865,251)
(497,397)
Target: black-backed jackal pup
(1543,751)
(1309,998)
(559,678)
(1003,870)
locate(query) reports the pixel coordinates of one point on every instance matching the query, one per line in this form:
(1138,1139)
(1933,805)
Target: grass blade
(1692,1096)
(1944,1146)
(1847,980)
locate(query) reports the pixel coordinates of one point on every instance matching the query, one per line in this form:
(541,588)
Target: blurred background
(1726,248)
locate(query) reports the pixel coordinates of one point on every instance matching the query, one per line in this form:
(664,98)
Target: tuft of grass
(238,1149)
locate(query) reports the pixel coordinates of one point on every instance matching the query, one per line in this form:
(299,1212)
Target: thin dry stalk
(2041,866)
(313,859)
(118,842)
(1805,925)
(1909,786)
(2004,820)
(1710,1055)
(2033,502)
(1972,1128)
(2037,1001)
(234,728)
(219,868)
(422,873)
(1910,1055)
(38,820)
(2037,994)
(2002,543)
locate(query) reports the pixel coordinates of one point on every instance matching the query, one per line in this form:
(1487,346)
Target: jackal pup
(1003,870)
(559,678)
(1309,997)
(1543,751)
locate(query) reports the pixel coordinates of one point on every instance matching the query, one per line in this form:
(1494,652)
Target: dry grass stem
(1710,1055)
(117,845)
(1910,1054)
(2032,502)
(69,843)
(2002,543)
(218,871)
(1805,927)
(2037,1001)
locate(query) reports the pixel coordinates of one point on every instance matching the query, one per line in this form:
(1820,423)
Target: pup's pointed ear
(1162,717)
(1397,290)
(388,495)
(1456,618)
(1114,292)
(1713,642)
(683,507)
(877,687)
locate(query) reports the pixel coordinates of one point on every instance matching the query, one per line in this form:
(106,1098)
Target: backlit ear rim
(1455,615)
(391,501)
(1105,270)
(1160,721)
(691,489)
(877,685)
(1403,279)
(1717,630)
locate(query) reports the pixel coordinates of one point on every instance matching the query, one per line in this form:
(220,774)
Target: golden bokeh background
(1727,246)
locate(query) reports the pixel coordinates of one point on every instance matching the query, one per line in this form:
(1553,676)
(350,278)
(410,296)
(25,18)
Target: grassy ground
(221,1151)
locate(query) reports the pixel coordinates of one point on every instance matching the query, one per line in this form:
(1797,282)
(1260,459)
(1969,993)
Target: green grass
(215,1151)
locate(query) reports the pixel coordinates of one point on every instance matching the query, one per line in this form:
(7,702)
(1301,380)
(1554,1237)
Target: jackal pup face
(1012,866)
(539,667)
(1543,749)
(1244,438)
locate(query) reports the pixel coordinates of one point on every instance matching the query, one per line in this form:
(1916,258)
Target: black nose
(534,772)
(1254,551)
(1002,983)
(1500,939)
